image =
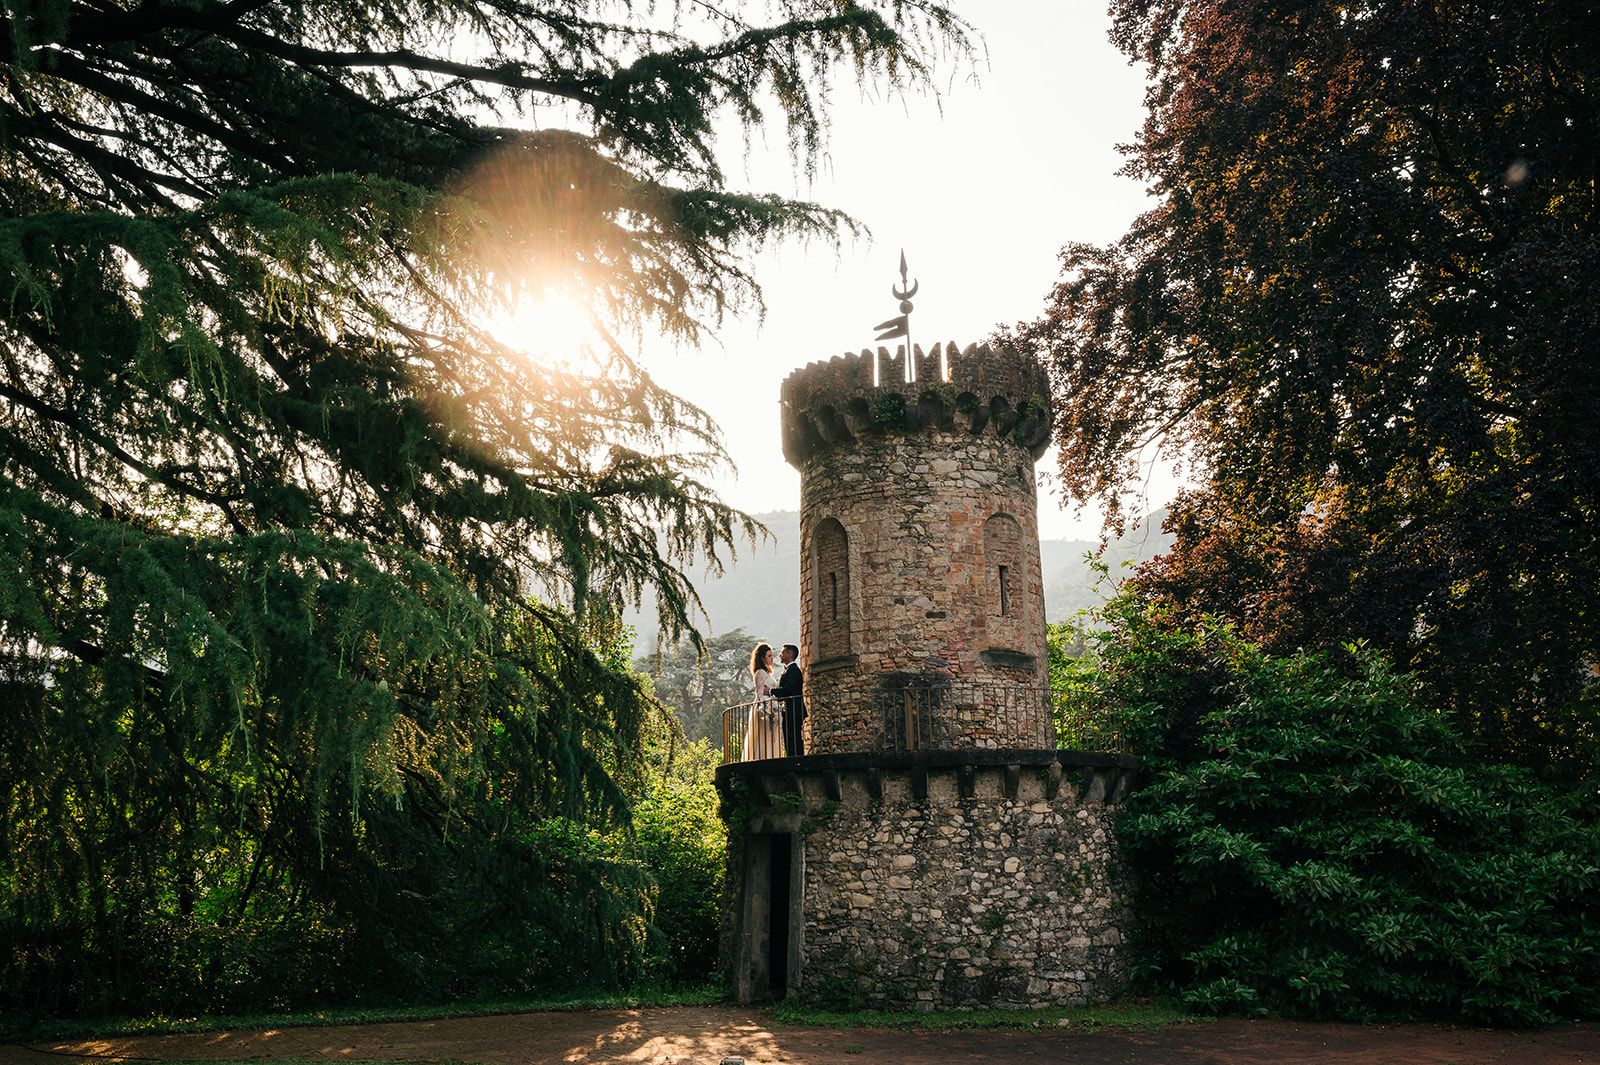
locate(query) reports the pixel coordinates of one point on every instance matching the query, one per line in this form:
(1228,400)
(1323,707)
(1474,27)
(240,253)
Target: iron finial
(900,326)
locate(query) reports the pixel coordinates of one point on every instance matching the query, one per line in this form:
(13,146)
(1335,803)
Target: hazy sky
(981,187)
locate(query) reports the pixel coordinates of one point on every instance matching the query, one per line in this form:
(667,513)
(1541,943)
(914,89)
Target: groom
(791,686)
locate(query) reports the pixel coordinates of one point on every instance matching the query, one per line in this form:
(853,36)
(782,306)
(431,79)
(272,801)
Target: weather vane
(900,326)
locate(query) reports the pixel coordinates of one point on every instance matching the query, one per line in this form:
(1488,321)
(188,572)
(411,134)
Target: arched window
(831,550)
(1002,559)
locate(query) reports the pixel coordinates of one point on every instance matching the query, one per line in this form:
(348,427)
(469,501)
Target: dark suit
(790,689)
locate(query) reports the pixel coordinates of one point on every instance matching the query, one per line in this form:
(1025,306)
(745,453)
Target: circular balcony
(933,716)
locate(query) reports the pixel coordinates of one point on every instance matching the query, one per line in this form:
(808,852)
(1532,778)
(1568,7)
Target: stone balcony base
(926,879)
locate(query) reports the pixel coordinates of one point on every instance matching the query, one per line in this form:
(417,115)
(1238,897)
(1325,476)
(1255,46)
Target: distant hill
(1069,583)
(760,592)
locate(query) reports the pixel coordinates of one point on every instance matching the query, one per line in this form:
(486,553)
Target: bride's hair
(758,656)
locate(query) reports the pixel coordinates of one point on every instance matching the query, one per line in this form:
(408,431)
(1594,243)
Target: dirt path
(704,1036)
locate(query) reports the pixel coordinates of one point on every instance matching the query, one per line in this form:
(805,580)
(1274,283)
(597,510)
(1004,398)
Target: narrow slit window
(1002,552)
(830,609)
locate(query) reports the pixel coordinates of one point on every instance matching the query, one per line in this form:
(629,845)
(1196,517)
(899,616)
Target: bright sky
(981,188)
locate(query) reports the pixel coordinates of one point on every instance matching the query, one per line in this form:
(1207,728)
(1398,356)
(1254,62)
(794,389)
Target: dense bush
(127,887)
(1310,840)
(681,842)
(474,879)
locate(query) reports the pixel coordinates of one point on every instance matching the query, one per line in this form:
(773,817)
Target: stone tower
(920,545)
(933,848)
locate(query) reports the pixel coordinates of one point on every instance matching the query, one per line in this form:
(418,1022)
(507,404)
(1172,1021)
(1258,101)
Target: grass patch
(96,1028)
(1138,1014)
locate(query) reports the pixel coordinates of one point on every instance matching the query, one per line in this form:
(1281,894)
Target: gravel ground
(706,1035)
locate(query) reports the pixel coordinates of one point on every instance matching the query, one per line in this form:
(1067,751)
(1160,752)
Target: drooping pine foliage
(281,719)
(1310,840)
(1363,305)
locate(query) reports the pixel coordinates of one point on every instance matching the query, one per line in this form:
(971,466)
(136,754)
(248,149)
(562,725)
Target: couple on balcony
(773,727)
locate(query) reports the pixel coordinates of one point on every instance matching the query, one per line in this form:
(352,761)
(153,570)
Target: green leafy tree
(1362,306)
(287,721)
(1311,840)
(680,839)
(1064,641)
(699,682)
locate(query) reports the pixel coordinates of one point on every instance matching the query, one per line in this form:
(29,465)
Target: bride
(763,733)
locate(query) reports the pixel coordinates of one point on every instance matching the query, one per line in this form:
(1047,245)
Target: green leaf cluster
(681,841)
(1310,839)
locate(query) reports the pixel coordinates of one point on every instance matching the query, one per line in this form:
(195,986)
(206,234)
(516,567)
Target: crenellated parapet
(974,390)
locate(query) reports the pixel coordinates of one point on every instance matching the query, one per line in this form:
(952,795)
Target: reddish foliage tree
(1363,307)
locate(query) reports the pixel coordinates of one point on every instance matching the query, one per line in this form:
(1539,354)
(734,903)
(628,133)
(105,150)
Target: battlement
(973,390)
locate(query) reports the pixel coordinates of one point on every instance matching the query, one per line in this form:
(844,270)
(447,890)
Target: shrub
(681,841)
(1309,840)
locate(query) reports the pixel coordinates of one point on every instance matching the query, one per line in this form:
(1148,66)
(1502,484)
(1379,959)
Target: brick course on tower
(919,540)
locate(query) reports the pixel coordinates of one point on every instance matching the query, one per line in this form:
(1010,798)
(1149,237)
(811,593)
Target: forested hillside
(1071,584)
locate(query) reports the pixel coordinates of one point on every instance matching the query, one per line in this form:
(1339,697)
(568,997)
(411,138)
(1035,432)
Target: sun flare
(553,328)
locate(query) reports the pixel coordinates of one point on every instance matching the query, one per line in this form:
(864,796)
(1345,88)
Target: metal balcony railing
(1086,728)
(939,716)
(753,731)
(952,714)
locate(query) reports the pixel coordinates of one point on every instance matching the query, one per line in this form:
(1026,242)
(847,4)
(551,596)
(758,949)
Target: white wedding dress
(763,731)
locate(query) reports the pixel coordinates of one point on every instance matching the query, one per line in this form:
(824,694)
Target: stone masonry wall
(923,597)
(959,886)
(991,901)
